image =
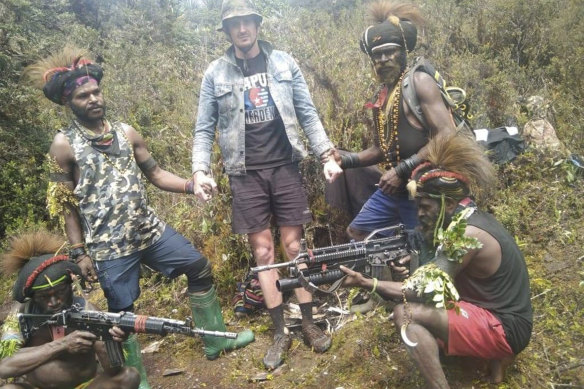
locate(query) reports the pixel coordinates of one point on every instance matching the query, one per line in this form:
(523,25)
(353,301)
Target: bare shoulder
(60,140)
(481,235)
(61,148)
(133,135)
(485,261)
(425,85)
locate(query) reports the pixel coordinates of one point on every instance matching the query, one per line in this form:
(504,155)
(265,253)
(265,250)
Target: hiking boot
(276,352)
(316,338)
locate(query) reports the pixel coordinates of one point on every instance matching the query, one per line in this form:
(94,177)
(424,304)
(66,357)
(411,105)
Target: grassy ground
(540,202)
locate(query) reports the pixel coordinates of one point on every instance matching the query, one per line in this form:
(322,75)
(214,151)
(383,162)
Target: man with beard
(493,319)
(253,96)
(399,137)
(96,187)
(52,356)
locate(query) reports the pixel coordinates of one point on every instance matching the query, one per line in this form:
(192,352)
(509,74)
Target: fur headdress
(393,25)
(37,259)
(457,167)
(61,73)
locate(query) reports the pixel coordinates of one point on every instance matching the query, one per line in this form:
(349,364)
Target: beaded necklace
(387,133)
(89,135)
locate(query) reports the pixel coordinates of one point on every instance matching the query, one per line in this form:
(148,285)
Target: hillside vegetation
(154,53)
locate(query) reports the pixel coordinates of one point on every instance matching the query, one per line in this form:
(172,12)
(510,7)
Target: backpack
(454,97)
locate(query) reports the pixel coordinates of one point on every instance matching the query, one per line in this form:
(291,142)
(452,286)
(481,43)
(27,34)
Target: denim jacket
(221,107)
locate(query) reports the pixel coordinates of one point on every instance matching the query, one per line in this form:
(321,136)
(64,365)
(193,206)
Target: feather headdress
(380,11)
(457,166)
(26,246)
(394,24)
(70,57)
(56,75)
(36,258)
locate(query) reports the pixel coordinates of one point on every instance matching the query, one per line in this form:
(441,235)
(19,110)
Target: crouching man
(493,318)
(52,356)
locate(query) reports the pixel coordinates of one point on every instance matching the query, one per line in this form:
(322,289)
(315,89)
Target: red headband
(30,280)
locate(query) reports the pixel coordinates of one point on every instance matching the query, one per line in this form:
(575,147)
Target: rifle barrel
(229,335)
(258,269)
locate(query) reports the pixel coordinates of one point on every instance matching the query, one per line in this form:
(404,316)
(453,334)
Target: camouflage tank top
(115,216)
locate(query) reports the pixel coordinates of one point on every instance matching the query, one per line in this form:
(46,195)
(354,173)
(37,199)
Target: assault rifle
(370,257)
(99,323)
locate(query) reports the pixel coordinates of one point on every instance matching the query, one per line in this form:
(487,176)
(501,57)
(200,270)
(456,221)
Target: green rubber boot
(134,359)
(207,315)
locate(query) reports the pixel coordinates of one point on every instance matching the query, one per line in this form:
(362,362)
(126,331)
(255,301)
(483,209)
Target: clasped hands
(204,186)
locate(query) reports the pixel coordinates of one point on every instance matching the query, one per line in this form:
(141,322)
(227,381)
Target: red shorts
(476,332)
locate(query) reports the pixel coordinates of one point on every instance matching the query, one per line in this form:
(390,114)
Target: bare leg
(426,324)
(290,237)
(127,378)
(356,234)
(262,245)
(497,369)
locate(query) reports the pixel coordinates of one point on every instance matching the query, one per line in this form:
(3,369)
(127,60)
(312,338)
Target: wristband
(374,286)
(349,161)
(404,168)
(76,252)
(189,187)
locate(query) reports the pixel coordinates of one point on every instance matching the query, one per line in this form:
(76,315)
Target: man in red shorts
(495,318)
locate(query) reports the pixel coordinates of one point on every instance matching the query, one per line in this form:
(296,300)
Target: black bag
(502,143)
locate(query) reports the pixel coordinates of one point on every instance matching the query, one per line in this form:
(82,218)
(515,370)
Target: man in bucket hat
(254,96)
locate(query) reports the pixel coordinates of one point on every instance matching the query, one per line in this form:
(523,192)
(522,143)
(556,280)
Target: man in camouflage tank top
(96,168)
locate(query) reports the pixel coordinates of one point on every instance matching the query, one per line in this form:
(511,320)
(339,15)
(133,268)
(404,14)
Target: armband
(349,161)
(148,165)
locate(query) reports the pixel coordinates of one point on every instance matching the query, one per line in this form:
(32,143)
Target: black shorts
(261,194)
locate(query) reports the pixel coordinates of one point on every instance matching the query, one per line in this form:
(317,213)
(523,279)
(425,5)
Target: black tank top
(506,293)
(411,139)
